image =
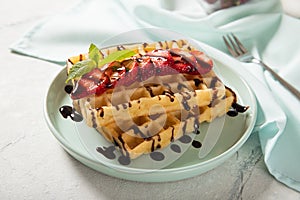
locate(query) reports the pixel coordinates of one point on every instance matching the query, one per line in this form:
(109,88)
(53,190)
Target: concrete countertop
(34,166)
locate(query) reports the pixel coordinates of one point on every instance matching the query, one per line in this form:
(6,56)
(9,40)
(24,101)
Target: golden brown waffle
(150,115)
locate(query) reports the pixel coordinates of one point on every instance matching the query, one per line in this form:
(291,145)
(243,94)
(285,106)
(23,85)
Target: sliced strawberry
(187,63)
(87,84)
(184,67)
(155,63)
(162,60)
(82,88)
(160,53)
(94,74)
(131,73)
(205,64)
(114,71)
(103,84)
(147,69)
(197,60)
(164,68)
(185,55)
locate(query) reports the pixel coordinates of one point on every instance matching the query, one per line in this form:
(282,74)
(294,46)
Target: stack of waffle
(150,114)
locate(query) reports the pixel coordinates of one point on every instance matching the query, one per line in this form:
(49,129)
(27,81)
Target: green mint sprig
(96,60)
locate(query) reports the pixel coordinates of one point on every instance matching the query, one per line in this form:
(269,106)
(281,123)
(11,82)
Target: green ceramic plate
(81,141)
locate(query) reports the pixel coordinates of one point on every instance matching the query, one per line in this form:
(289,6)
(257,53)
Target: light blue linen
(261,25)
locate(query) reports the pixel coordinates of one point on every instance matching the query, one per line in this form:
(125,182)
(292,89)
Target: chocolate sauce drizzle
(176,148)
(124,159)
(196,144)
(169,94)
(68,89)
(197,82)
(185,97)
(185,139)
(180,86)
(101,114)
(108,152)
(213,82)
(68,111)
(149,89)
(157,156)
(236,109)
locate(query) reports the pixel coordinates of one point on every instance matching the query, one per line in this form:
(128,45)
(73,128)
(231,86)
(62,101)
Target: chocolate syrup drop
(185,139)
(239,108)
(185,105)
(68,111)
(149,89)
(176,148)
(196,144)
(180,86)
(108,152)
(236,109)
(124,160)
(232,113)
(172,136)
(197,82)
(169,94)
(186,96)
(197,132)
(213,82)
(101,111)
(124,106)
(68,89)
(154,116)
(157,156)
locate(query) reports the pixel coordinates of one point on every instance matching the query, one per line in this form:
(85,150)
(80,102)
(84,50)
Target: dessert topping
(126,67)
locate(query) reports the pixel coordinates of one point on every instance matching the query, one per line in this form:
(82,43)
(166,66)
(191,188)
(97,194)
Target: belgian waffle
(149,115)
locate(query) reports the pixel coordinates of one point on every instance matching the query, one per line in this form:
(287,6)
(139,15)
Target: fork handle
(279,78)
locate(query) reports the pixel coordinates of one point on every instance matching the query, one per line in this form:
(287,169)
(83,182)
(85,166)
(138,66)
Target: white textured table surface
(34,166)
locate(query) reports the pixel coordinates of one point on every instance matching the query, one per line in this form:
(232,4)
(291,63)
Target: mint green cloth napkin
(263,28)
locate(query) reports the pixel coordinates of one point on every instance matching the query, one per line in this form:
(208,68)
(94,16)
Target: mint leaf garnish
(96,60)
(81,68)
(117,56)
(94,54)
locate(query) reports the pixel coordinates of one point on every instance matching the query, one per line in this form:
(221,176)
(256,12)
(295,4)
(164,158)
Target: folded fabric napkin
(261,25)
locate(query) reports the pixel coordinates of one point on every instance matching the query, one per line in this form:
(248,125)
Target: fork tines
(235,47)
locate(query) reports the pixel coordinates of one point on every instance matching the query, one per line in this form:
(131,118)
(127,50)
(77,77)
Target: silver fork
(237,50)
